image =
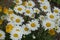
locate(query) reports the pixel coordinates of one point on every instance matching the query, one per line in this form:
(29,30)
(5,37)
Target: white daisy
(28,12)
(32,16)
(18,2)
(17,29)
(4,17)
(2,35)
(56,10)
(9,27)
(36,10)
(11,17)
(10,12)
(51,16)
(18,20)
(41,17)
(15,35)
(52,32)
(47,24)
(25,3)
(45,7)
(26,30)
(42,1)
(31,4)
(19,9)
(33,25)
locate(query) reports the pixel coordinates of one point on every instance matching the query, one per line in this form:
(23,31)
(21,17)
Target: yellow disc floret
(9,27)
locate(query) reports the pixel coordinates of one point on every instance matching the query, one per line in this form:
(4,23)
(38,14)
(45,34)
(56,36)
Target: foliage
(56,1)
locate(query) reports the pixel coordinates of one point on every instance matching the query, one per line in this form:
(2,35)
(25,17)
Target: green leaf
(54,0)
(58,1)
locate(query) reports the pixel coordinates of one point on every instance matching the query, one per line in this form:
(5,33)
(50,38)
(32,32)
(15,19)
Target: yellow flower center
(42,0)
(28,11)
(24,3)
(33,15)
(17,20)
(10,12)
(0,35)
(51,32)
(45,7)
(12,18)
(48,24)
(26,29)
(33,24)
(36,11)
(15,35)
(17,1)
(56,11)
(19,9)
(42,17)
(9,27)
(29,4)
(1,21)
(5,10)
(0,8)
(51,16)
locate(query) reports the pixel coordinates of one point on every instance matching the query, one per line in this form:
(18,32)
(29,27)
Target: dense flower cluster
(26,17)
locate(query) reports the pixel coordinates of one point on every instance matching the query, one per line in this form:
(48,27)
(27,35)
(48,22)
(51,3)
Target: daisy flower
(25,3)
(11,17)
(18,20)
(2,35)
(19,9)
(31,4)
(56,10)
(9,27)
(10,12)
(41,17)
(51,32)
(45,7)
(5,10)
(26,30)
(28,12)
(15,35)
(3,17)
(17,29)
(18,2)
(51,16)
(36,10)
(32,16)
(33,25)
(47,24)
(42,1)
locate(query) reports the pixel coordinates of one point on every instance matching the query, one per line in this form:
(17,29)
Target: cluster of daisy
(50,21)
(16,26)
(22,20)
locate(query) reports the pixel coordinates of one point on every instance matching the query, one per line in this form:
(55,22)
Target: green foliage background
(57,1)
